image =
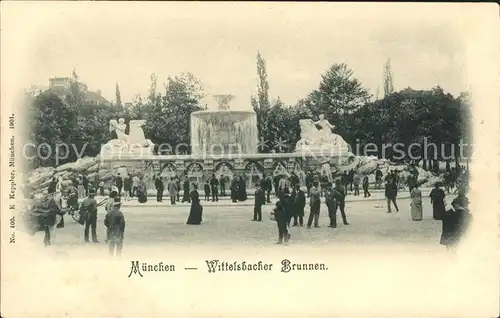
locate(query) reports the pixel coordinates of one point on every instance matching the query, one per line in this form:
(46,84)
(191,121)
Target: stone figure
(326,128)
(120,129)
(134,143)
(313,139)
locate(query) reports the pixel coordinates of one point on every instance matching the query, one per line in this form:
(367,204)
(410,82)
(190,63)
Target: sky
(124,43)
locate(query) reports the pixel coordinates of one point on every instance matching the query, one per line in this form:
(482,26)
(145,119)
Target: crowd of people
(290,206)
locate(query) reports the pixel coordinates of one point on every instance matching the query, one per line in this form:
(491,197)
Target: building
(61,86)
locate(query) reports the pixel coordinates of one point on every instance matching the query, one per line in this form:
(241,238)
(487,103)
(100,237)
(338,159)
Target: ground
(229,224)
(382,265)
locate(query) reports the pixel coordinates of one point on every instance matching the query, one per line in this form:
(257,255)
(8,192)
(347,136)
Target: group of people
(290,206)
(130,186)
(292,202)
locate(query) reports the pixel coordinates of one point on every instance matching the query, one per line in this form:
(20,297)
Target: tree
(261,104)
(338,93)
(262,84)
(167,115)
(388,84)
(118,96)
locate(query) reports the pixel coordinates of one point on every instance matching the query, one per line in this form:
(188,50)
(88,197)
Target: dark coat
(299,202)
(115,222)
(260,197)
(159,184)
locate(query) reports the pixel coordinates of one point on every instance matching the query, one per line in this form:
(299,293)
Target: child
(207,191)
(101,188)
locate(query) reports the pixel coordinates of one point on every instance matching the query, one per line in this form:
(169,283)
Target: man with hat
(115,222)
(89,208)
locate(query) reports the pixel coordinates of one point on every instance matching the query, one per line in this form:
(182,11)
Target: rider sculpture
(314,139)
(133,142)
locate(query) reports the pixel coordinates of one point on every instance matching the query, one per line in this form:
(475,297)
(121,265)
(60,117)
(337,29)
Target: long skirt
(438,209)
(416,211)
(81,191)
(141,196)
(195,214)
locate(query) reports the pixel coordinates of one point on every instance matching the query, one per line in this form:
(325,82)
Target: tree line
(405,117)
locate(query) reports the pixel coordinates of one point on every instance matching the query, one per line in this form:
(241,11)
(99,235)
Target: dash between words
(214,266)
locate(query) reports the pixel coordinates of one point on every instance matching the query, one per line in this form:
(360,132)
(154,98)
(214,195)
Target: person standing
(119,184)
(142,191)
(268,187)
(378,178)
(178,186)
(242,189)
(356,181)
(214,185)
(115,222)
(315,204)
(172,190)
(160,187)
(391,192)
(222,181)
(416,204)
(108,206)
(350,179)
(127,186)
(207,191)
(345,179)
(294,179)
(456,220)
(299,204)
(437,196)
(135,184)
(366,184)
(331,204)
(80,187)
(260,200)
(340,194)
(186,189)
(282,186)
(89,206)
(196,211)
(280,212)
(234,189)
(309,182)
(276,182)
(52,216)
(85,182)
(101,188)
(52,186)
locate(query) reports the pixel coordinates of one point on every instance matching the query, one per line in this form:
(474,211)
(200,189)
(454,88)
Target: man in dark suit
(260,200)
(222,181)
(339,193)
(159,188)
(119,184)
(89,207)
(214,184)
(282,214)
(299,204)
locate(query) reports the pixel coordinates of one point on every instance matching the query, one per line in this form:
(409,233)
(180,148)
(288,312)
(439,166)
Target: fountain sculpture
(223,131)
(224,142)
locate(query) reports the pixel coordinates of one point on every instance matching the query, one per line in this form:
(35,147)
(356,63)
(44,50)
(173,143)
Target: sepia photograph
(249,159)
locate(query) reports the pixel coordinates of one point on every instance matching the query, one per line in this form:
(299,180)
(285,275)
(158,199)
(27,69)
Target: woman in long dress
(437,200)
(456,220)
(416,204)
(142,192)
(242,189)
(195,213)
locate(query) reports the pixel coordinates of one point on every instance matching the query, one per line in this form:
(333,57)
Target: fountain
(224,142)
(223,131)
